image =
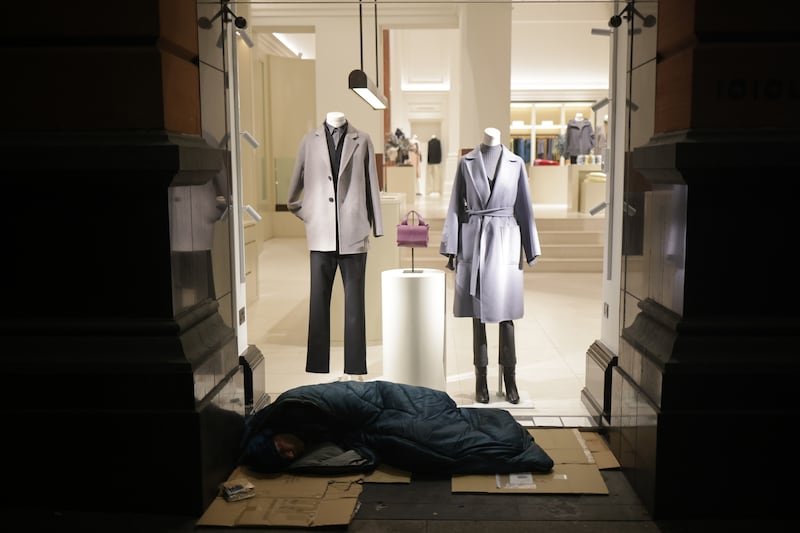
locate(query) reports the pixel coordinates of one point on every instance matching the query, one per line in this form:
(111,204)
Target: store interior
(562,319)
(563,309)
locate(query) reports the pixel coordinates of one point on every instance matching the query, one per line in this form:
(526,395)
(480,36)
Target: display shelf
(535,120)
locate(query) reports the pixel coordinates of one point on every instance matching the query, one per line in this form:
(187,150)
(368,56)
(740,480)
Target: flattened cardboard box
(575,470)
(600,451)
(286,500)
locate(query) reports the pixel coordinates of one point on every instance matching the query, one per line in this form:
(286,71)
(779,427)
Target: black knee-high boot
(480,359)
(481,386)
(508,360)
(509,377)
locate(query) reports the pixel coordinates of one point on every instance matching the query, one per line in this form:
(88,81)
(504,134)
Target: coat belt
(478,248)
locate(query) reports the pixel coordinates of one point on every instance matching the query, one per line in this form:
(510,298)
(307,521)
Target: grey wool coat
(488,230)
(354,206)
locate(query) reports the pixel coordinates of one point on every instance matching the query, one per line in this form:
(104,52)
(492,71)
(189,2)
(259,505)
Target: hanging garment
(579,138)
(434,151)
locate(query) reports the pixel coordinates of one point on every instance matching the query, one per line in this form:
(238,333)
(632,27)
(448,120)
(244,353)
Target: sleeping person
(351,426)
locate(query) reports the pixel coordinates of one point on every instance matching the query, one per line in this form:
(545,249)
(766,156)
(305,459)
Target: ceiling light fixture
(605,101)
(358,80)
(241,32)
(600,104)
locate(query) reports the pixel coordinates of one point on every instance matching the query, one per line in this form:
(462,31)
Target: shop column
(118,368)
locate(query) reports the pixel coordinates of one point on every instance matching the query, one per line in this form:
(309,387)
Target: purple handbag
(413,235)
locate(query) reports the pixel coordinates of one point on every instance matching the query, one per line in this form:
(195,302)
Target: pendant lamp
(358,80)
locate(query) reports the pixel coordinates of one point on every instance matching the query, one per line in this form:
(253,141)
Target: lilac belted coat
(488,230)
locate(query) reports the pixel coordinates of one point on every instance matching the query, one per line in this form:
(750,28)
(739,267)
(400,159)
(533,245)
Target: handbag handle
(420,220)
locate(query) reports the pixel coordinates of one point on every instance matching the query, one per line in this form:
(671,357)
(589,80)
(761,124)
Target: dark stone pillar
(119,374)
(708,361)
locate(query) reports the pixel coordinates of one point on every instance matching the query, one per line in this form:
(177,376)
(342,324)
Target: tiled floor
(562,319)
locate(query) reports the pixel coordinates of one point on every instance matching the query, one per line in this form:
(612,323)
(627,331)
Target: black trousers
(353,269)
(508,353)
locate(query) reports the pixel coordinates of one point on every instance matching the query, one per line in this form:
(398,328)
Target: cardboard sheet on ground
(285,500)
(600,450)
(575,471)
(387,474)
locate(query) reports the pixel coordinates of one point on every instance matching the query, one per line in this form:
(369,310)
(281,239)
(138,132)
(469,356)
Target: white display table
(576,174)
(548,184)
(413,327)
(593,191)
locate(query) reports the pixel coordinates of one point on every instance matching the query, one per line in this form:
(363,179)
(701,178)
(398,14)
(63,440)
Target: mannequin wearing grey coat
(340,209)
(488,227)
(579,137)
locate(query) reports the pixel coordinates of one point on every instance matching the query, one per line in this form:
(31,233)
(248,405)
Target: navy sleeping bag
(417,429)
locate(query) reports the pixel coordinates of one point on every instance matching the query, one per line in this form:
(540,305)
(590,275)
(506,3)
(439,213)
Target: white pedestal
(593,191)
(383,255)
(576,175)
(413,327)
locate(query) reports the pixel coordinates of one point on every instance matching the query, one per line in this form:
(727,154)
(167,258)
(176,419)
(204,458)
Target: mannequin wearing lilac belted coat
(488,227)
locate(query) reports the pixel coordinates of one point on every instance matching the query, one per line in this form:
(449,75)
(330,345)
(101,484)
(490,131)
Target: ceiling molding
(271,45)
(558,95)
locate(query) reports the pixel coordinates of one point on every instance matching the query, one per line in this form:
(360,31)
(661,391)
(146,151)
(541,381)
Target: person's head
(289,446)
(272,452)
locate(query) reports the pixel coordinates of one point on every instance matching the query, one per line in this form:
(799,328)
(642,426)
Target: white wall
(553,51)
(553,56)
(536,52)
(338,54)
(485,89)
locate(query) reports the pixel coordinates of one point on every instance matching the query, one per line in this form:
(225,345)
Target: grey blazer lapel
(349,147)
(320,148)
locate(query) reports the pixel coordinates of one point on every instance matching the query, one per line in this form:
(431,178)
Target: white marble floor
(562,319)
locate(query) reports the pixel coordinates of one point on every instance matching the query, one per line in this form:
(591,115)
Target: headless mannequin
(337,121)
(433,180)
(575,142)
(491,149)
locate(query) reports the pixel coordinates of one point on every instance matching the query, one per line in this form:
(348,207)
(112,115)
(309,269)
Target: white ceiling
(552,45)
(302,43)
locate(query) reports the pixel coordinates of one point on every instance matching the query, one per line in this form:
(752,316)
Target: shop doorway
(423,128)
